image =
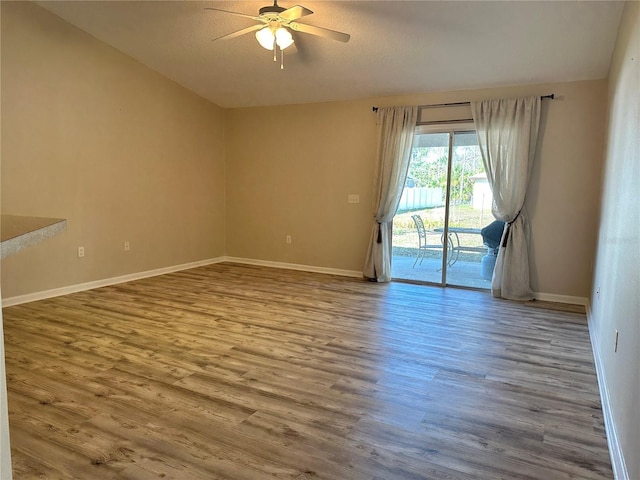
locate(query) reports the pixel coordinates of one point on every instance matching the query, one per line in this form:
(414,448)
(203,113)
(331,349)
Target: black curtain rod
(457,104)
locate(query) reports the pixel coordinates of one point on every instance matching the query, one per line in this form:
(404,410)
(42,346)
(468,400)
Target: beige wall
(617,278)
(290,169)
(90,135)
(289,172)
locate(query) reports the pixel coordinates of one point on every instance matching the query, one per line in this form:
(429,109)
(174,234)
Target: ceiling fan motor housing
(272,9)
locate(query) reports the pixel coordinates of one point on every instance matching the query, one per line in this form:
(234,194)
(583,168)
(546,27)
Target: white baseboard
(56,292)
(295,266)
(551,297)
(618,464)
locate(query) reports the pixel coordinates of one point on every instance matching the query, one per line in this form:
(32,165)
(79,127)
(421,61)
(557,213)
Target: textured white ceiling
(396,47)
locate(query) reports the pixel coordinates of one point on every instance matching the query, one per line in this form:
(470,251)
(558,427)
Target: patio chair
(491,236)
(427,239)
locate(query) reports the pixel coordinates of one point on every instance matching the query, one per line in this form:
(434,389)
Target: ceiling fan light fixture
(275,23)
(284,38)
(265,38)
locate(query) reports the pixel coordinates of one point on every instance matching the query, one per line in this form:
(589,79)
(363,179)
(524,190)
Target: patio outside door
(445,204)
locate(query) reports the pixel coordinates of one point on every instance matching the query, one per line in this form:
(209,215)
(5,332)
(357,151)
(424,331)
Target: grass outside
(405,236)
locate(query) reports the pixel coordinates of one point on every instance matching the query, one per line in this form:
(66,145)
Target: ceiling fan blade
(250,29)
(320,32)
(252,17)
(295,12)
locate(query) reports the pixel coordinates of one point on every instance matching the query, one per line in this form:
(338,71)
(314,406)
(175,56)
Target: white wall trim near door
(618,464)
(547,297)
(551,297)
(57,292)
(295,266)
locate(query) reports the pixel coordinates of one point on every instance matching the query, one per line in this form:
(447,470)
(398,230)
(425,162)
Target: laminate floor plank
(238,372)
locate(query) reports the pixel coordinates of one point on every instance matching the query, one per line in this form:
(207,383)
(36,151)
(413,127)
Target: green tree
(428,168)
(428,172)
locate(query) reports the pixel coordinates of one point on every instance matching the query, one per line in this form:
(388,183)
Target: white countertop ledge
(19,232)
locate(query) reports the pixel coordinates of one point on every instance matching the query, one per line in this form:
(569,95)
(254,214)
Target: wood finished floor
(237,372)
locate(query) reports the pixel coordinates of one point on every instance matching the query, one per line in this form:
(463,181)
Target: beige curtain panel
(507,134)
(396,127)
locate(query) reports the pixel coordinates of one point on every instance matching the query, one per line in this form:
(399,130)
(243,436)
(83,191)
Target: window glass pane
(469,211)
(419,222)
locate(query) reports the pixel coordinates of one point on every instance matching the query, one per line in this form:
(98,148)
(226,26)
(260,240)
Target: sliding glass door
(445,204)
(419,224)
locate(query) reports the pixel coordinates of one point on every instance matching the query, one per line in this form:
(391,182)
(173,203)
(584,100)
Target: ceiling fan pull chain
(281,59)
(275,50)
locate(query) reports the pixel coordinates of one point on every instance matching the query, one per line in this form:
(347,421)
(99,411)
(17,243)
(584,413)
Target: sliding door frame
(451,129)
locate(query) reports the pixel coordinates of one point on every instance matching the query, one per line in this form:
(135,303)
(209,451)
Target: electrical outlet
(353,198)
(127,246)
(288,239)
(80,252)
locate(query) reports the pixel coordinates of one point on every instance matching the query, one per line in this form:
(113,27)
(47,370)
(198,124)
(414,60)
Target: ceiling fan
(275,23)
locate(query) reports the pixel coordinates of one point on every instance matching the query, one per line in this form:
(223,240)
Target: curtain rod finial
(375,109)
